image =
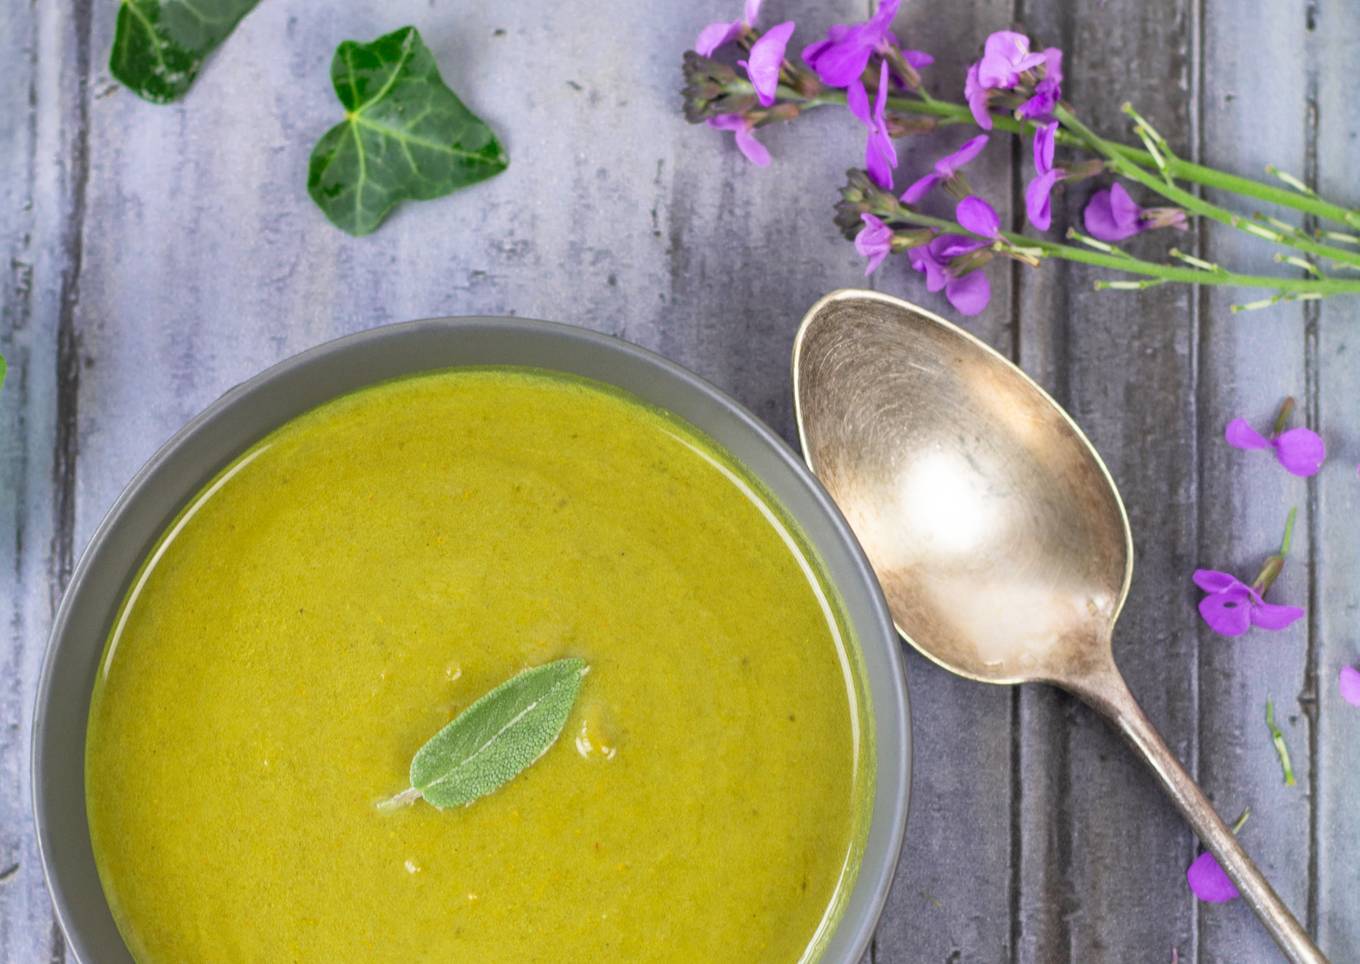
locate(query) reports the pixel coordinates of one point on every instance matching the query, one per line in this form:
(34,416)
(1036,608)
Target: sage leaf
(405,135)
(159,45)
(494,739)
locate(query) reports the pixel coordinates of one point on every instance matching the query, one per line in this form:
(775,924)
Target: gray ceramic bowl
(249,411)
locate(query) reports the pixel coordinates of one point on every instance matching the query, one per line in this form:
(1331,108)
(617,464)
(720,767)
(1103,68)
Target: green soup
(360,576)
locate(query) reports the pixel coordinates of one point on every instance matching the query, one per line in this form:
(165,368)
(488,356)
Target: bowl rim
(876,871)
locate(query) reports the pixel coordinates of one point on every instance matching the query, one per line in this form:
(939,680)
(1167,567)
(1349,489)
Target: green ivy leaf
(496,738)
(159,45)
(405,135)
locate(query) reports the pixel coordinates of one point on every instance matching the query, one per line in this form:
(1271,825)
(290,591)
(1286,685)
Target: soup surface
(367,571)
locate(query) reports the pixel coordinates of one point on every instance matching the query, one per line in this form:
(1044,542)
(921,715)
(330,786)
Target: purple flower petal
(1227,613)
(746,140)
(977,96)
(921,188)
(755,151)
(874,241)
(1052,62)
(1349,681)
(917,58)
(716,35)
(1041,105)
(1240,435)
(840,59)
(767,59)
(880,154)
(948,246)
(1272,616)
(1005,56)
(969,294)
(950,163)
(1211,580)
(1301,451)
(1107,216)
(857,100)
(924,260)
(1038,198)
(978,216)
(753,14)
(1044,143)
(1208,882)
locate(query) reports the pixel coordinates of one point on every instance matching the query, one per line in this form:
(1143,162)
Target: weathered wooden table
(154,256)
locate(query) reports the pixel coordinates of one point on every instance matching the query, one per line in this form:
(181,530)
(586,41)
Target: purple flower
(1300,450)
(1208,882)
(840,59)
(945,168)
(978,216)
(1111,215)
(874,242)
(1005,57)
(880,154)
(1039,197)
(743,128)
(1231,607)
(1039,191)
(977,97)
(767,60)
(1349,681)
(1048,91)
(716,35)
(968,293)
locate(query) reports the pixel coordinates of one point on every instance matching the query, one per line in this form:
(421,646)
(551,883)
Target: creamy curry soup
(356,579)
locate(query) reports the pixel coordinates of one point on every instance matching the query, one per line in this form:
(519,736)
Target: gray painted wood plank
(1336,550)
(1102,851)
(951,899)
(1248,363)
(42,53)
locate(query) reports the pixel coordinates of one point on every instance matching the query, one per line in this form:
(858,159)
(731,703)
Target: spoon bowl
(997,533)
(994,527)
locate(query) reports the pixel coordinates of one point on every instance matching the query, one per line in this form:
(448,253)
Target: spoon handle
(1108,693)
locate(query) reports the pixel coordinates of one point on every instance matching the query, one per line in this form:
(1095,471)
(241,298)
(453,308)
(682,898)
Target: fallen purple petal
(1349,682)
(1230,607)
(1301,451)
(1209,882)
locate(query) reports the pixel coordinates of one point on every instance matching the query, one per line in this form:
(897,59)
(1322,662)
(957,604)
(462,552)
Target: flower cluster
(1016,87)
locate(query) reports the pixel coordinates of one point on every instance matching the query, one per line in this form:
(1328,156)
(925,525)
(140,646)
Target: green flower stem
(949,113)
(1196,204)
(1298,287)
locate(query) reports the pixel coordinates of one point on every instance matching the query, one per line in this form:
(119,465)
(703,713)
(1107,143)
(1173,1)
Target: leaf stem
(949,112)
(404,799)
(1131,265)
(1191,202)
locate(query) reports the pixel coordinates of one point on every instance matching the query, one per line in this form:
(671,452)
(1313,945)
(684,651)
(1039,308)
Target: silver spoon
(997,533)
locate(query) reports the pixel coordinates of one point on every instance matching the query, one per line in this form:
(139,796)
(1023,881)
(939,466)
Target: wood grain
(151,257)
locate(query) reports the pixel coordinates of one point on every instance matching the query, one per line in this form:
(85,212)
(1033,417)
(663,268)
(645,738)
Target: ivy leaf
(494,739)
(405,135)
(159,45)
